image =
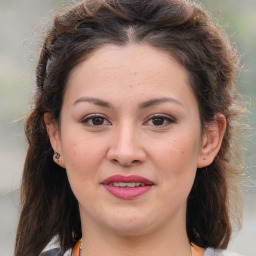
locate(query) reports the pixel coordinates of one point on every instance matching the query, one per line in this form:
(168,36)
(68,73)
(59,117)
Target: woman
(133,142)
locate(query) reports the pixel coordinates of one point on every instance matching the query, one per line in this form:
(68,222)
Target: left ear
(211,141)
(54,136)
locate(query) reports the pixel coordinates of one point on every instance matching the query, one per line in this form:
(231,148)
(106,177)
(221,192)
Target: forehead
(141,54)
(133,69)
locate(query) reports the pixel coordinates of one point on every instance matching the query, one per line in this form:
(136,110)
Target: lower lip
(127,193)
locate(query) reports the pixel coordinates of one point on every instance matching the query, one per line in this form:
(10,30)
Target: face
(130,139)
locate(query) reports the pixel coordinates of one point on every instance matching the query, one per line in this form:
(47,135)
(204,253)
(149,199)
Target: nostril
(125,164)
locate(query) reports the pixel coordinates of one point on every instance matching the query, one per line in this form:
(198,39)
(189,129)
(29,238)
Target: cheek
(82,160)
(82,154)
(176,161)
(182,151)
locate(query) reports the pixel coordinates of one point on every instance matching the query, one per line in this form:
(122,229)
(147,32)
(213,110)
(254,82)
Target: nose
(126,148)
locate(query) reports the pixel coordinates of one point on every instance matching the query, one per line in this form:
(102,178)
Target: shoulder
(53,249)
(217,252)
(56,252)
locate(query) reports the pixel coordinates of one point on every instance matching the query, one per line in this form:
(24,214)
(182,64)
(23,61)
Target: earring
(57,156)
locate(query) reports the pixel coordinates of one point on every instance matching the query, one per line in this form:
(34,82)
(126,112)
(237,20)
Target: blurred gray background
(22,23)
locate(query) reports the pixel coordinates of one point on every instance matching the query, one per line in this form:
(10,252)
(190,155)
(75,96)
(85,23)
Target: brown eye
(95,121)
(158,121)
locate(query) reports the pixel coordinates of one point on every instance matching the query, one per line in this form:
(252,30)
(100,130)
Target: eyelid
(90,116)
(167,118)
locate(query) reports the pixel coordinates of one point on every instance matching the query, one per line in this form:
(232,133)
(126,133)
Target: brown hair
(180,28)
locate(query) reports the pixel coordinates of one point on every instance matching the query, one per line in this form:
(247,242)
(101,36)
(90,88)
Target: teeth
(127,184)
(122,184)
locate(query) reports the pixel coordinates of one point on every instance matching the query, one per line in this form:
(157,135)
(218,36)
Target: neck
(166,237)
(155,243)
(195,250)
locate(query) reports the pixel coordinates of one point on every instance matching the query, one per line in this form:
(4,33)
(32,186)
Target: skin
(127,139)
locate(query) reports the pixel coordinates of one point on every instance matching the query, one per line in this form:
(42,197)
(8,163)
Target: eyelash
(167,120)
(89,118)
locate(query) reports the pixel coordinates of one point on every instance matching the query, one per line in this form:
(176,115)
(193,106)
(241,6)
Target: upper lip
(127,179)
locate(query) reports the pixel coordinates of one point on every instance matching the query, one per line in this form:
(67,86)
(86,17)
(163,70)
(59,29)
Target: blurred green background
(21,26)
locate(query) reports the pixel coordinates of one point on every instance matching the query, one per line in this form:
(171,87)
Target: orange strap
(75,251)
(197,251)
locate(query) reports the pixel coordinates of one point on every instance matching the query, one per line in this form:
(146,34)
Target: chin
(131,224)
(132,230)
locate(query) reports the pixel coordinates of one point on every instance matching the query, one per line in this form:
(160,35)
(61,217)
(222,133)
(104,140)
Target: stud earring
(57,156)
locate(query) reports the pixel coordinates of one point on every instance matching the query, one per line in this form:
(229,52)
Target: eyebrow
(94,101)
(142,105)
(158,101)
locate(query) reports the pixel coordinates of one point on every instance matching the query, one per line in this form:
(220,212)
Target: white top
(215,252)
(53,249)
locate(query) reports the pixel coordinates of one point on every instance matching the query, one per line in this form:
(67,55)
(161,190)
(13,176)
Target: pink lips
(127,193)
